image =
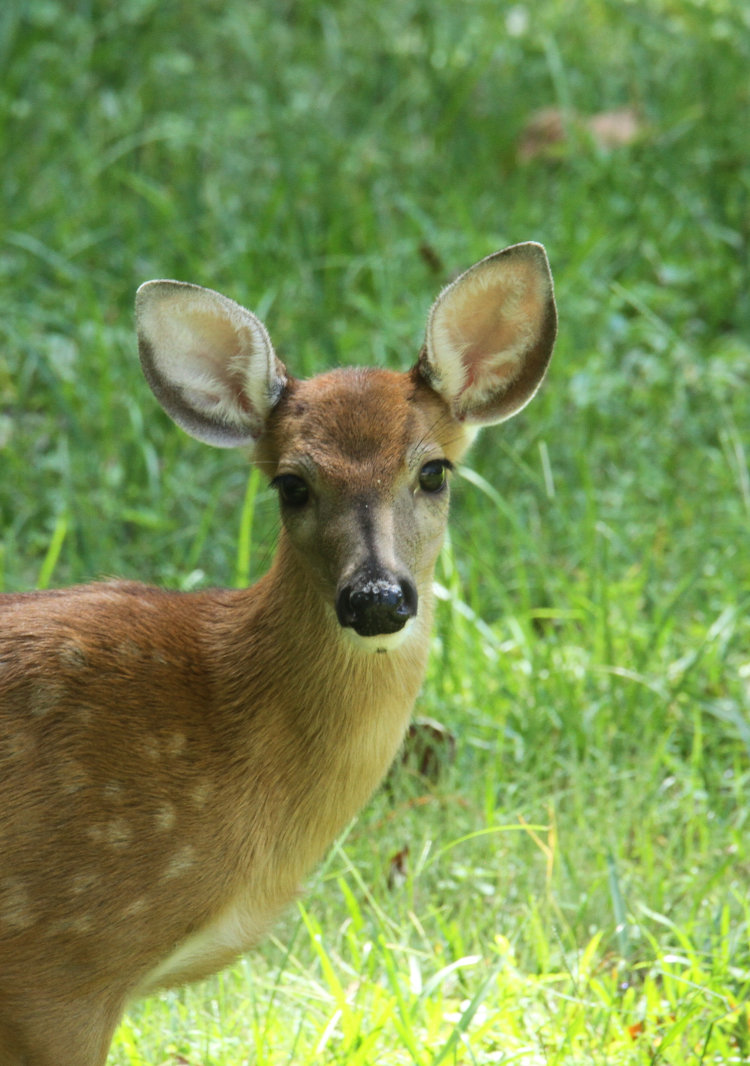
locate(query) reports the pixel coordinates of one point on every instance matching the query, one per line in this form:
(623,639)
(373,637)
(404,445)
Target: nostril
(409,591)
(374,606)
(344,609)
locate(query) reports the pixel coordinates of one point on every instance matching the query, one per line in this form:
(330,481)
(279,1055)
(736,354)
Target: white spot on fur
(166,817)
(83,883)
(128,649)
(72,656)
(19,745)
(15,904)
(202,793)
(138,906)
(180,863)
(176,744)
(84,714)
(77,926)
(150,748)
(45,697)
(115,833)
(114,792)
(72,775)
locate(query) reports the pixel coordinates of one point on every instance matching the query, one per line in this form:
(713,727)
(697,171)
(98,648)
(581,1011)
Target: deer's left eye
(293,490)
(433,475)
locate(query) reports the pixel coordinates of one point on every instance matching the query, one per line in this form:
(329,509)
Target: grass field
(576,887)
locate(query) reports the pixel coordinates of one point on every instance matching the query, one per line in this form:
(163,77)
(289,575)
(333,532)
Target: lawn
(568,883)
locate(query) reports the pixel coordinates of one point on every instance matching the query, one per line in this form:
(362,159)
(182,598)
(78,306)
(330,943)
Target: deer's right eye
(433,475)
(293,490)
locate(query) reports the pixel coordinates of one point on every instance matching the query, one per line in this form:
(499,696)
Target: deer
(173,764)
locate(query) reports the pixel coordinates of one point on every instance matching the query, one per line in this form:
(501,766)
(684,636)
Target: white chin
(383,642)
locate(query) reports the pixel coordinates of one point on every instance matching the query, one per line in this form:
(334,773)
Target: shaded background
(331,165)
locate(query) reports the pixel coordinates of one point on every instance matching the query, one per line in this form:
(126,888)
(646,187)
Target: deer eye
(293,490)
(433,474)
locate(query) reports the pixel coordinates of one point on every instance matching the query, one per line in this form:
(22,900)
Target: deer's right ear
(209,362)
(490,335)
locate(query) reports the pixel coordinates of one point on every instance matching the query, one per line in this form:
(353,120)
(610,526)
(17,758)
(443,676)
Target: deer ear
(490,335)
(209,362)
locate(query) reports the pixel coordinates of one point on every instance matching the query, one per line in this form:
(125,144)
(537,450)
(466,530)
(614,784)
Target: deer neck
(328,707)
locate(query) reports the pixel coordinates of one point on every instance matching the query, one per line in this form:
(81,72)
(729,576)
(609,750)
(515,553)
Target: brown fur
(143,730)
(172,765)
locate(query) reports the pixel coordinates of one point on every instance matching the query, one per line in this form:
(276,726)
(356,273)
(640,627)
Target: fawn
(172,764)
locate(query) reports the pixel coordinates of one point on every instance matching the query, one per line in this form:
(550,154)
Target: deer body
(173,764)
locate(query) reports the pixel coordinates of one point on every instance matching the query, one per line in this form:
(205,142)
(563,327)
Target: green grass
(576,884)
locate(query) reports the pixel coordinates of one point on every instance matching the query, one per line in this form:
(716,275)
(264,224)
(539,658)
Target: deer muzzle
(375,603)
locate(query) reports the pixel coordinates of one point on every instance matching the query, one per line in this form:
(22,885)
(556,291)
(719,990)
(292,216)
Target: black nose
(376,603)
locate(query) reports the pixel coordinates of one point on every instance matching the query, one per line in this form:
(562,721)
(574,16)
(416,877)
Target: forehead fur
(352,418)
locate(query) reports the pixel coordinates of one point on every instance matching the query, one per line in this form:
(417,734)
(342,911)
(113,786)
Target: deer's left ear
(490,335)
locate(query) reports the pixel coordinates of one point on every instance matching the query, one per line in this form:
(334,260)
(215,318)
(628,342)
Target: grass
(571,885)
